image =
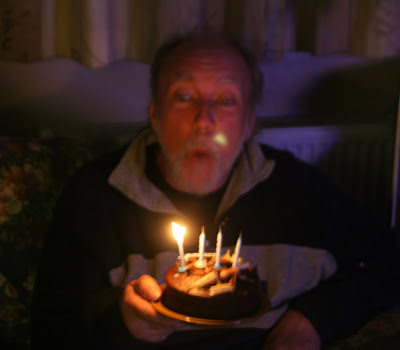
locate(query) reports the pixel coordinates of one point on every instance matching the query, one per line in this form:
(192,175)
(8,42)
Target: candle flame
(178,232)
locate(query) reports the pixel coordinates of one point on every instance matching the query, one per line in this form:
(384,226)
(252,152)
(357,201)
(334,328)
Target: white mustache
(205,143)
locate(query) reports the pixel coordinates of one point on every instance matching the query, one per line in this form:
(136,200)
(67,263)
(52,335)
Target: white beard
(197,176)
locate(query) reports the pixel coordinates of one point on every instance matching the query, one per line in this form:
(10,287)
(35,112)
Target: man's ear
(152,113)
(250,122)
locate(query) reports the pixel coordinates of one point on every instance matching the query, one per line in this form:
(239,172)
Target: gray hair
(256,76)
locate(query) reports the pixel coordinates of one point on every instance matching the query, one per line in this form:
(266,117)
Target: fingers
(147,287)
(140,316)
(141,306)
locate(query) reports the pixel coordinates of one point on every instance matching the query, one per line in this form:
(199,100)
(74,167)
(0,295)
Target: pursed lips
(201,153)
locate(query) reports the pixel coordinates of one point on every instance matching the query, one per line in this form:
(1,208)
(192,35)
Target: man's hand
(139,315)
(293,332)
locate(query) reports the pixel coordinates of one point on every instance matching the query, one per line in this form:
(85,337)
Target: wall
(62,94)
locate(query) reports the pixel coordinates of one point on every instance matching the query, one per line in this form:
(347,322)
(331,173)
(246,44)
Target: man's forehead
(206,50)
(178,75)
(205,55)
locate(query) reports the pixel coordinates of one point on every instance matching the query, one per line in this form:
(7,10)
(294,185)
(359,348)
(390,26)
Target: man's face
(202,115)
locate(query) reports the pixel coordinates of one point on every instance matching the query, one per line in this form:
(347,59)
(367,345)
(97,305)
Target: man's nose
(204,119)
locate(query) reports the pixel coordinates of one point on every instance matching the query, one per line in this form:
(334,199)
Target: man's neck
(199,209)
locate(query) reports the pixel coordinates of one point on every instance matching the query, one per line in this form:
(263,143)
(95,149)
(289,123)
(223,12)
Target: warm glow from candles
(178,232)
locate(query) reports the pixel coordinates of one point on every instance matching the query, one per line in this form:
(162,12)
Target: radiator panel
(357,158)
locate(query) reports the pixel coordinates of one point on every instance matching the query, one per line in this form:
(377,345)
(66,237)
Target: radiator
(357,158)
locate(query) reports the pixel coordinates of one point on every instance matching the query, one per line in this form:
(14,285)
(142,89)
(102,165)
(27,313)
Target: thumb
(148,288)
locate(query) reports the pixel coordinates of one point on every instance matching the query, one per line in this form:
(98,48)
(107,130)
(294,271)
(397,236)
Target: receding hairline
(189,49)
(178,45)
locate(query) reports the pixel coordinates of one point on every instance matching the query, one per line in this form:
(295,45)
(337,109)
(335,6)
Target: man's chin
(199,177)
(199,184)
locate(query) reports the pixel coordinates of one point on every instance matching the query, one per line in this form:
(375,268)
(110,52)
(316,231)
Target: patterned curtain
(98,32)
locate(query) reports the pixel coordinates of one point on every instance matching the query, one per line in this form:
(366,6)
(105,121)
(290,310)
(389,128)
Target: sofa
(33,172)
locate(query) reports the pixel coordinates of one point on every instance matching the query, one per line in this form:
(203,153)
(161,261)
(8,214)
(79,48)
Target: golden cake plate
(158,305)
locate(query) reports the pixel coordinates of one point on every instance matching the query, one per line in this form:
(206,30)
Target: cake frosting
(222,292)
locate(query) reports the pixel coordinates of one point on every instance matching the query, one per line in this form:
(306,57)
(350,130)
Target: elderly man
(328,265)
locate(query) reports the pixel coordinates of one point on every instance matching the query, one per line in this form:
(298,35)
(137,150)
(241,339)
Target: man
(328,266)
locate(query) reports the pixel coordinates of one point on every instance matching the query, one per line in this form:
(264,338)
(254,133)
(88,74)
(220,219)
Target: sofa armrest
(33,173)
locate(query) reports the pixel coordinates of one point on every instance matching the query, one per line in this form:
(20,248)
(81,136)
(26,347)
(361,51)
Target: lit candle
(217,264)
(237,251)
(179,232)
(202,240)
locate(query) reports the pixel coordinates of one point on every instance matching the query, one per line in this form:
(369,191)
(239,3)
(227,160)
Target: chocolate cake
(225,292)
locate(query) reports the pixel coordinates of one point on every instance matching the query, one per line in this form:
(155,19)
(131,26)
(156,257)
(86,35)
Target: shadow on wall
(362,93)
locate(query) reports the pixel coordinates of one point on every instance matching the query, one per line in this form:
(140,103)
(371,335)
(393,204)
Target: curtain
(99,32)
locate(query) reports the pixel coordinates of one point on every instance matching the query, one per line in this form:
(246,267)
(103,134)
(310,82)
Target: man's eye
(182,98)
(226,101)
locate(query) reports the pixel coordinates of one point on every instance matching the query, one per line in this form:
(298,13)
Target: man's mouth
(201,154)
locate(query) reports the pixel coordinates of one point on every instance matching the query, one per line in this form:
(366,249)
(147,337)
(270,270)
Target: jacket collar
(129,175)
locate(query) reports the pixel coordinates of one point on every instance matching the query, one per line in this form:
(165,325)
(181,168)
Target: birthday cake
(228,290)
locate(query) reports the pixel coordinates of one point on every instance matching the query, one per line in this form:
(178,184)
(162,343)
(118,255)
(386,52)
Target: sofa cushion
(32,175)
